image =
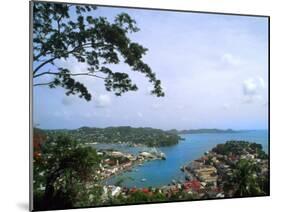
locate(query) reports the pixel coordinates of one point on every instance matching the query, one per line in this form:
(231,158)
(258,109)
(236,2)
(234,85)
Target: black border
(129,7)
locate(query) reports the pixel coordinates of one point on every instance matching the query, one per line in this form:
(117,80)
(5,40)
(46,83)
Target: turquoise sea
(162,172)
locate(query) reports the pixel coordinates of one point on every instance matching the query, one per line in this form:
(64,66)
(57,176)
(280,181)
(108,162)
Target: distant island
(122,135)
(196,131)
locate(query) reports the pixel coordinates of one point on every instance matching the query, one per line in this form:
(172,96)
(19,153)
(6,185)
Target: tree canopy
(64,31)
(245,177)
(61,174)
(125,134)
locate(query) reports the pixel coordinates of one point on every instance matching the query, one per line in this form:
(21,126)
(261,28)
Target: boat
(163,156)
(143,179)
(158,153)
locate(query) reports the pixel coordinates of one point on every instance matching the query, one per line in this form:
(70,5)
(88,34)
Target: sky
(213,68)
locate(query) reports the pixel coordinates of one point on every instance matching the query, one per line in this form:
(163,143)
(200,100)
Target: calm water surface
(162,172)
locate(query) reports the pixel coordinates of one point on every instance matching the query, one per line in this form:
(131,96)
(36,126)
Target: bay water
(158,173)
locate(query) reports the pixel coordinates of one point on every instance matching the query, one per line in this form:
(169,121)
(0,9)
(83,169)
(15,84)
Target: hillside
(126,134)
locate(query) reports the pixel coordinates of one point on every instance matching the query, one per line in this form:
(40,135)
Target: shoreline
(113,167)
(207,174)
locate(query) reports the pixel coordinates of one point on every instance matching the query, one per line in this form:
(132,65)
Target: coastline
(193,147)
(112,164)
(207,175)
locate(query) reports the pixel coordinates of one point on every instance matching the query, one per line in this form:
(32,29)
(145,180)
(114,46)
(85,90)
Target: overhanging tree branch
(91,40)
(47,83)
(54,58)
(69,74)
(44,63)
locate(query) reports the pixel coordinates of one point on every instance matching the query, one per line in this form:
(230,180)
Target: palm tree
(245,179)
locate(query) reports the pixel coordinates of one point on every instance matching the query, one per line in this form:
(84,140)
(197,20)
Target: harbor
(116,162)
(161,172)
(212,175)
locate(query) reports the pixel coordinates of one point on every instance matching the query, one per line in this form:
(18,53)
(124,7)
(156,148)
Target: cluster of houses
(213,170)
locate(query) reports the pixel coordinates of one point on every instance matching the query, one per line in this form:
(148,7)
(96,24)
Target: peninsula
(199,131)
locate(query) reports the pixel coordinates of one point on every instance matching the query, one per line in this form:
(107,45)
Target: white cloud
(252,89)
(207,71)
(148,90)
(229,59)
(252,99)
(262,82)
(76,67)
(73,65)
(249,87)
(103,100)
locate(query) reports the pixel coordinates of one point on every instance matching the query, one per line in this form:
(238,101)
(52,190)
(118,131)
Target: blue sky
(213,68)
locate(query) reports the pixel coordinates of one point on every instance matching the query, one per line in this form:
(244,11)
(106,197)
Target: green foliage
(182,195)
(247,177)
(138,197)
(62,173)
(141,197)
(63,31)
(238,147)
(244,176)
(144,136)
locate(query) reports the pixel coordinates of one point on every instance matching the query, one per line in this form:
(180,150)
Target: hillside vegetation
(140,136)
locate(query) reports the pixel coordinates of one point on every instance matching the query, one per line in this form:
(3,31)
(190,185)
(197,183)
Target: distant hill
(124,134)
(197,131)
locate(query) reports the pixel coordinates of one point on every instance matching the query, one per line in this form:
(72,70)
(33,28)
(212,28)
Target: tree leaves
(91,40)
(73,87)
(65,169)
